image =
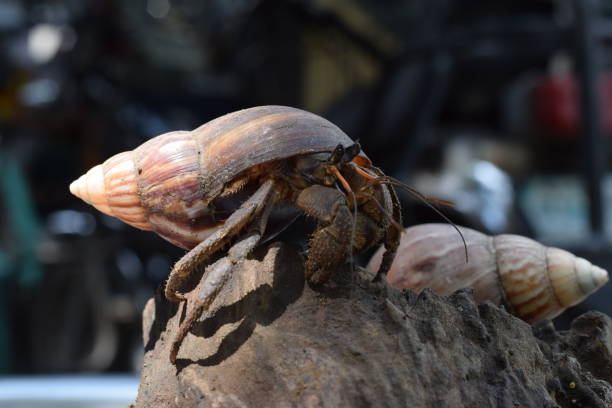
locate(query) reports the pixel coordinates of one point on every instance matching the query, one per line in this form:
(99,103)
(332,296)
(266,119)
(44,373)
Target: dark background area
(475,102)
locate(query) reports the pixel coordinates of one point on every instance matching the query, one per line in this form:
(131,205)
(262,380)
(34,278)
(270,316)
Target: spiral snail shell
(533,281)
(179,184)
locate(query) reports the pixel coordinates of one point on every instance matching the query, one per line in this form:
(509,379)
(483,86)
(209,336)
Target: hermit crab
(532,281)
(224,183)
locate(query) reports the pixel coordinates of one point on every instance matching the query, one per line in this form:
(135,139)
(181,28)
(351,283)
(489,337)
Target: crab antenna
(424,199)
(341,178)
(382,209)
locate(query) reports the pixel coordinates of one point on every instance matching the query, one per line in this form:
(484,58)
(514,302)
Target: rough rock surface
(272,340)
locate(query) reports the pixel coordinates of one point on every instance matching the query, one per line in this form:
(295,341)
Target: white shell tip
(90,187)
(589,277)
(600,276)
(77,188)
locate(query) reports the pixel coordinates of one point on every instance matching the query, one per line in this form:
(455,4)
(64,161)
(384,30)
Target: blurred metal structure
(591,33)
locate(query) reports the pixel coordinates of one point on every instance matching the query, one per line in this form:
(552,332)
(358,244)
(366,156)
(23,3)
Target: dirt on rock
(273,340)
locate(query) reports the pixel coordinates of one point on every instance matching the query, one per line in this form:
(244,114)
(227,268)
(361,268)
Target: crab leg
(330,244)
(218,273)
(233,225)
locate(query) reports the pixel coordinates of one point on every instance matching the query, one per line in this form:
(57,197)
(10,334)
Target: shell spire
(111,187)
(90,188)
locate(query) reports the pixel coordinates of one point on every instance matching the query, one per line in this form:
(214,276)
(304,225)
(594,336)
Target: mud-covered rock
(272,340)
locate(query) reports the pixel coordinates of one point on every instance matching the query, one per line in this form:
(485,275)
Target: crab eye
(336,155)
(350,152)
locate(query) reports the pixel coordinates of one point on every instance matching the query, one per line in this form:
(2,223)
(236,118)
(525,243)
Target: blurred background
(504,108)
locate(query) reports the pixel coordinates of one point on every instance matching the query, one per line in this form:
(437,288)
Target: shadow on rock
(274,287)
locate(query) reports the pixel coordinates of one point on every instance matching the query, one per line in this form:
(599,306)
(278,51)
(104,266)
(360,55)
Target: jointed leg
(233,225)
(330,244)
(217,275)
(392,235)
(393,231)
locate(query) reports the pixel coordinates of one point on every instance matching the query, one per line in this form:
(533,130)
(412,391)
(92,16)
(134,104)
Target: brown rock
(272,340)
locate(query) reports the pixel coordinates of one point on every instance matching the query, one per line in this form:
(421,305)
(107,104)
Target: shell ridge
(118,178)
(136,157)
(200,155)
(536,298)
(106,190)
(492,243)
(549,278)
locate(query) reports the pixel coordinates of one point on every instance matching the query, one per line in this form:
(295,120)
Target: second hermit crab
(234,181)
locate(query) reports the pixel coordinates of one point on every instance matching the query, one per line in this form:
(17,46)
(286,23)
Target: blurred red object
(557,105)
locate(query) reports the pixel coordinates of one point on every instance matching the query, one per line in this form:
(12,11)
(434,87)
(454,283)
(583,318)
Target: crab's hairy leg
(392,234)
(330,244)
(385,180)
(183,269)
(382,209)
(218,274)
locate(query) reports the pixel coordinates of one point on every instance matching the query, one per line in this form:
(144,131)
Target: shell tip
(600,276)
(76,188)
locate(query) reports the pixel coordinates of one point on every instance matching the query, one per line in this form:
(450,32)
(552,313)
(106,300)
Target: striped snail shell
(177,184)
(533,281)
